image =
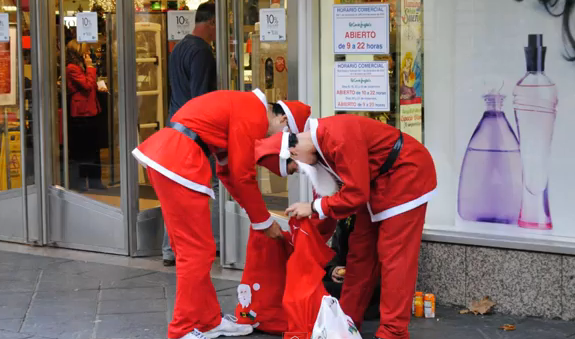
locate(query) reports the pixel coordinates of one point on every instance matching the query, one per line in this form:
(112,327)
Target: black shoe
(169,263)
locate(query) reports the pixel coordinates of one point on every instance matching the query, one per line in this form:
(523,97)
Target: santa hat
(267,153)
(297,114)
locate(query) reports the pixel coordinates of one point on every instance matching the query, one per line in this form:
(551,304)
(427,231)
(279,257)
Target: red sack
(304,288)
(261,290)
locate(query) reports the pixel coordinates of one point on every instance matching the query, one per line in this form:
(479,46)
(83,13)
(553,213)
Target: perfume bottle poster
(515,121)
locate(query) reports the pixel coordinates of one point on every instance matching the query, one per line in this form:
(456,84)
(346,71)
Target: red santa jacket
(229,122)
(82,91)
(354,148)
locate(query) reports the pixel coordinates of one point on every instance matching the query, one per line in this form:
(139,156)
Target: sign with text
(272,24)
(4,27)
(180,24)
(87,27)
(361,29)
(410,120)
(361,86)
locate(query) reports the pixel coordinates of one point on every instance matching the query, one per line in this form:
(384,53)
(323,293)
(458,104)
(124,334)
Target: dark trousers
(84,151)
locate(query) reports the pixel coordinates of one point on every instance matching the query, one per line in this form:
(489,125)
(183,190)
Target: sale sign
(361,29)
(87,27)
(180,24)
(272,24)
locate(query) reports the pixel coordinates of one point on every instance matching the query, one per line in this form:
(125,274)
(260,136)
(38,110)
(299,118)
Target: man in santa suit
(261,290)
(387,178)
(226,124)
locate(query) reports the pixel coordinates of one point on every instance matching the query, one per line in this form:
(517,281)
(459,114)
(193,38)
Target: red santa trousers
(388,249)
(187,217)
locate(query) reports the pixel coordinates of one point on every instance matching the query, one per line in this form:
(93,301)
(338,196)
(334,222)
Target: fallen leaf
(483,306)
(508,327)
(464,311)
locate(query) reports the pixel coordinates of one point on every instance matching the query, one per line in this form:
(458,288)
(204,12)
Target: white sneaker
(195,334)
(229,328)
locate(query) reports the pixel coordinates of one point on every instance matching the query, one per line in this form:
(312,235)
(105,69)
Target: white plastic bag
(332,323)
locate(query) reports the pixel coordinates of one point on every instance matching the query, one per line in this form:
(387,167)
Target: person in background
(83,108)
(192,72)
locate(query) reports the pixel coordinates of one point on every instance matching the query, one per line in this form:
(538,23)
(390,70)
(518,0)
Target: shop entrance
(246,61)
(108,91)
(19,208)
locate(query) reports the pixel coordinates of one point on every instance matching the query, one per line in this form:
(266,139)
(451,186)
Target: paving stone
(132,306)
(14,305)
(133,293)
(80,295)
(17,286)
(223,285)
(64,307)
(60,327)
(52,281)
(12,325)
(141,326)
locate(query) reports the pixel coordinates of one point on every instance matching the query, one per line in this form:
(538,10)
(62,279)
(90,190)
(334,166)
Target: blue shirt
(192,71)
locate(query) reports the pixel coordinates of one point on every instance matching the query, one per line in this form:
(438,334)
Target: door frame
(233,219)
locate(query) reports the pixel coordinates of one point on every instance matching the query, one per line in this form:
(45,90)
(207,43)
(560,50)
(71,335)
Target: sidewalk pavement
(52,298)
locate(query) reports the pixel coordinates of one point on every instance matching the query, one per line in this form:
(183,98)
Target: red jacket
(82,90)
(354,149)
(229,122)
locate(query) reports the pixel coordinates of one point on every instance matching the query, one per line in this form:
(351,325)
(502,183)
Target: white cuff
(317,208)
(263,225)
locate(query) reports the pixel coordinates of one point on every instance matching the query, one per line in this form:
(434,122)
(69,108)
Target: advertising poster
(361,86)
(8,71)
(514,122)
(361,29)
(411,68)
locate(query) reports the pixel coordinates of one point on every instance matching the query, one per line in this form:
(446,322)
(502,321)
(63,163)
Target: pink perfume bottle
(535,103)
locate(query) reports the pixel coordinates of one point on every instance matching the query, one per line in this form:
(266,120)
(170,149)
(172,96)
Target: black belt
(393,155)
(192,135)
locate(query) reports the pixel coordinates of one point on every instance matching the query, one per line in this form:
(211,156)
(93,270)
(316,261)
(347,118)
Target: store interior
(99,178)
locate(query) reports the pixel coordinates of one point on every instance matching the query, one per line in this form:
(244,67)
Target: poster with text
(361,86)
(411,68)
(514,121)
(8,71)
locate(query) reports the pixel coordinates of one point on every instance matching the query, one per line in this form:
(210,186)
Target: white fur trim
(396,210)
(145,161)
(290,118)
(307,123)
(263,225)
(283,167)
(284,147)
(318,209)
(313,125)
(258,92)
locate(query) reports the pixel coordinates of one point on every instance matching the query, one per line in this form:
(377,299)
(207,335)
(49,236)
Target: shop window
(398,101)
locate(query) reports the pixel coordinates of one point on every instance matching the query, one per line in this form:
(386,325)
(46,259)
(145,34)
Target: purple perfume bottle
(490,179)
(535,103)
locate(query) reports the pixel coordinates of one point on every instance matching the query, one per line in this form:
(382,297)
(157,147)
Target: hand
(88,60)
(274,231)
(299,210)
(338,274)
